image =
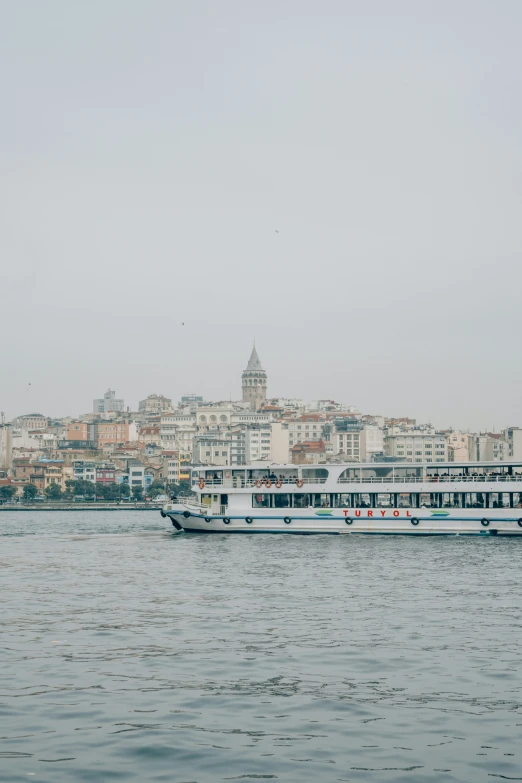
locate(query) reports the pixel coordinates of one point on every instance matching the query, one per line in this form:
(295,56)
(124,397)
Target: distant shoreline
(79,507)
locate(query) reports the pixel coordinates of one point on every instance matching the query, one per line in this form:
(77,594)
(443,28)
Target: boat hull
(492,525)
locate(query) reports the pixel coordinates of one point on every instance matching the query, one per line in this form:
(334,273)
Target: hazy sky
(150,150)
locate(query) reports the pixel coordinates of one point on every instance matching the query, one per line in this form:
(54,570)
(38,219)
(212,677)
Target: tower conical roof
(254,365)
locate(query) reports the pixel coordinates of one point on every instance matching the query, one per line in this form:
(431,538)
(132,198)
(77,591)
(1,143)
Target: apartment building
(416,444)
(211,450)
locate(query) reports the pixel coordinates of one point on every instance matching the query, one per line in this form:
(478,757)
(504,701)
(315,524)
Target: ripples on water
(129,654)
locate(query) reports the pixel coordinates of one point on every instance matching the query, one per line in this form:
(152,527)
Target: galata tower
(254,382)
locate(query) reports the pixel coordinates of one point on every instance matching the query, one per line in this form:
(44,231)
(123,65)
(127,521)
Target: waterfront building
(84,470)
(176,466)
(136,473)
(254,380)
(155,404)
(105,473)
(108,403)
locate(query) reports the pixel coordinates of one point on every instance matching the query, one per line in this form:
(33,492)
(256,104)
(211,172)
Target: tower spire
(254,381)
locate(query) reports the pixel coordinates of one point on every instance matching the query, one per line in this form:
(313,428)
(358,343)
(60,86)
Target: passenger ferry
(402,498)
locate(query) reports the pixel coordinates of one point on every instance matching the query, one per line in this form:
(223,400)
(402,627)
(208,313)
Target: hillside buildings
(160,441)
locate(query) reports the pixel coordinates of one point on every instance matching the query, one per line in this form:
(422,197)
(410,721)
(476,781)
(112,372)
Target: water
(129,654)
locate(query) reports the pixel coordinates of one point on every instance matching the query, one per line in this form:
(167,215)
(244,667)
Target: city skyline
(253,373)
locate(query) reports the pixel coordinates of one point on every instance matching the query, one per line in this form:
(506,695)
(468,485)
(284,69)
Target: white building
(258,442)
(84,470)
(513,437)
(211,450)
(371,442)
(488,447)
(136,472)
(108,403)
(6,447)
(416,444)
(306,428)
(458,446)
(345,439)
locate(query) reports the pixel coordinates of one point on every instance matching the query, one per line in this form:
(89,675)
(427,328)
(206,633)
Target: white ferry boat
(402,498)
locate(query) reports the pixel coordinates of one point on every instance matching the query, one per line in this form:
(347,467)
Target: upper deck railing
(293,483)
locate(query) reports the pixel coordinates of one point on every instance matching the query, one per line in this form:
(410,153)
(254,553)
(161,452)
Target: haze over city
(340,181)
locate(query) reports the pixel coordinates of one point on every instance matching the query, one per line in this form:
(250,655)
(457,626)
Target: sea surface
(131,654)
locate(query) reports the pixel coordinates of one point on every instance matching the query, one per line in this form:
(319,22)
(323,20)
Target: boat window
(281,500)
(261,501)
(301,501)
(451,500)
(361,500)
(383,500)
(314,475)
(320,500)
(498,500)
(474,499)
(350,474)
(517,499)
(406,500)
(205,500)
(342,500)
(407,474)
(377,474)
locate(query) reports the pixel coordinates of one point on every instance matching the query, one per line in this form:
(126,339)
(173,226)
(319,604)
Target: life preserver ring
(484,522)
(259,483)
(207,519)
(348,521)
(186,514)
(299,483)
(163,514)
(201,484)
(519,523)
(248,520)
(268,483)
(226,520)
(287,520)
(279,483)
(414,521)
